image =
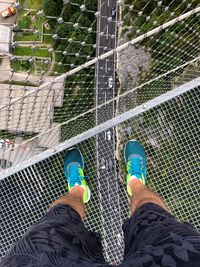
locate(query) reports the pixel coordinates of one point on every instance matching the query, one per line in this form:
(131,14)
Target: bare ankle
(77,190)
(74,199)
(142,195)
(136,184)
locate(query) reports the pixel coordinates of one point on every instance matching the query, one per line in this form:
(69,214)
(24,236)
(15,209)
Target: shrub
(52,7)
(24,22)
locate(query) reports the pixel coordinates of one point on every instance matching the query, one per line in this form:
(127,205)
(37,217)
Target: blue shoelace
(74,175)
(136,166)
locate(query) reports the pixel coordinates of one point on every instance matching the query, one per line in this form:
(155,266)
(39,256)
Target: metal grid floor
(169,133)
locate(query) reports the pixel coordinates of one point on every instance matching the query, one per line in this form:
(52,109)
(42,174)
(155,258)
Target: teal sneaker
(73,168)
(135,159)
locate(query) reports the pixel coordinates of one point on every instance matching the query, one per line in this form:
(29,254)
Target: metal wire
(71,68)
(169,134)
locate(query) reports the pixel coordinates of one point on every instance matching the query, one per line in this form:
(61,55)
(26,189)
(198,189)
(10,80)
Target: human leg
(153,237)
(74,199)
(60,237)
(142,194)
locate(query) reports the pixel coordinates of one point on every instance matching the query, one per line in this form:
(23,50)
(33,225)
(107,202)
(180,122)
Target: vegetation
(52,7)
(7,135)
(28,21)
(168,43)
(28,51)
(20,83)
(79,89)
(172,161)
(27,37)
(81,39)
(24,65)
(20,65)
(24,22)
(78,98)
(32,4)
(171,128)
(166,49)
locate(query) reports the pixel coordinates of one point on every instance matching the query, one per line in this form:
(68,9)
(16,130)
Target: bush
(25,65)
(52,7)
(24,22)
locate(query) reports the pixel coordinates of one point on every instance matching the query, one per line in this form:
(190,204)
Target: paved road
(108,183)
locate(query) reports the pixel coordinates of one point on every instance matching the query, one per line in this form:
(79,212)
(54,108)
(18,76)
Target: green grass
(28,51)
(27,36)
(24,65)
(24,22)
(22,2)
(47,39)
(7,135)
(11,135)
(34,4)
(16,65)
(39,66)
(20,83)
(30,36)
(60,69)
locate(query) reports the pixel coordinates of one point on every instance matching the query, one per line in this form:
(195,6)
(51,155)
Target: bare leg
(142,195)
(74,199)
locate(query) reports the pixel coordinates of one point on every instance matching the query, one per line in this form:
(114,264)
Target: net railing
(68,58)
(94,74)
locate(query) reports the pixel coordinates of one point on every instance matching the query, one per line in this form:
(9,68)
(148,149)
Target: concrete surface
(19,153)
(52,138)
(6,74)
(5,37)
(31,114)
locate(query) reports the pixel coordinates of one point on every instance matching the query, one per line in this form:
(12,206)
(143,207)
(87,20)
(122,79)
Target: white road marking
(106,67)
(107,32)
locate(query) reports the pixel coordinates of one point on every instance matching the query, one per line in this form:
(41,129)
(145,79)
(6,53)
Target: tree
(52,7)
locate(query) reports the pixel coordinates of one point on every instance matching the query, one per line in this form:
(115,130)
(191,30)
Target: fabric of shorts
(153,237)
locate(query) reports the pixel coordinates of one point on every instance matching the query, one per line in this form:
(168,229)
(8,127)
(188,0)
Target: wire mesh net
(68,66)
(70,57)
(169,134)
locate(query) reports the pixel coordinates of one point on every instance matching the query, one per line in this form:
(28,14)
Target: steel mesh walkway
(169,133)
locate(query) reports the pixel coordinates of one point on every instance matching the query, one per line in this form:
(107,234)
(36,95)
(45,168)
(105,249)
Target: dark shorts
(153,237)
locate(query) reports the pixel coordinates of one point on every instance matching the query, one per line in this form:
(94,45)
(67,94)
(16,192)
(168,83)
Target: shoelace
(75,176)
(136,166)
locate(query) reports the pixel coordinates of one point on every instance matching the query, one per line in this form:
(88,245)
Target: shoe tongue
(74,174)
(136,172)
(73,164)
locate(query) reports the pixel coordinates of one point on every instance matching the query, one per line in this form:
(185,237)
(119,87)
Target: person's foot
(73,168)
(135,159)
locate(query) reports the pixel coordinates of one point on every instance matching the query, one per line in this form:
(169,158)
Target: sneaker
(73,168)
(135,159)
